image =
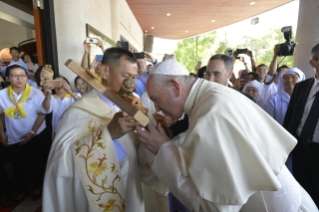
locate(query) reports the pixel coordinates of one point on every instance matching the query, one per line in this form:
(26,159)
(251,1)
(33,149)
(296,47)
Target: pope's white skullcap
(170,68)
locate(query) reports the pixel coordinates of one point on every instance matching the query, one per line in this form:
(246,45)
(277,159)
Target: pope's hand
(152,139)
(120,125)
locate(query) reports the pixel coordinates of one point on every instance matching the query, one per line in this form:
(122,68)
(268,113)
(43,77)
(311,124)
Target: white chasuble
(233,142)
(83,172)
(231,150)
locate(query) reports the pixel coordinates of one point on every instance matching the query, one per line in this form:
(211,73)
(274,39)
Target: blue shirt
(141,84)
(277,105)
(120,151)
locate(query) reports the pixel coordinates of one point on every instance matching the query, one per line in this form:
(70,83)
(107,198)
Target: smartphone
(92,40)
(139,55)
(124,45)
(243,78)
(55,83)
(230,54)
(99,58)
(48,68)
(241,51)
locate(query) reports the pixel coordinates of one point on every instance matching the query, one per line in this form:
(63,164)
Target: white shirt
(16,128)
(311,98)
(32,83)
(58,107)
(277,105)
(269,90)
(19,62)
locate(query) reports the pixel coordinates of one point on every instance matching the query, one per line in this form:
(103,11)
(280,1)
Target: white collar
(191,91)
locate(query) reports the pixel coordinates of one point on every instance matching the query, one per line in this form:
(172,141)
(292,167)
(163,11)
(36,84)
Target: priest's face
(166,98)
(216,72)
(113,76)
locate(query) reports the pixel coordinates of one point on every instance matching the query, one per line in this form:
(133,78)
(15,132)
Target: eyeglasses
(15,76)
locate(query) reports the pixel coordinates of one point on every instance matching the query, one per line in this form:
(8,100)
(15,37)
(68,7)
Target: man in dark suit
(301,120)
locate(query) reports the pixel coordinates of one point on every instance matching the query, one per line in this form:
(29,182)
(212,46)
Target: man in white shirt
(301,120)
(229,160)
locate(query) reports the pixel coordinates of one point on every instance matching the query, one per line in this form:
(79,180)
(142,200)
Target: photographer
(60,101)
(84,64)
(142,70)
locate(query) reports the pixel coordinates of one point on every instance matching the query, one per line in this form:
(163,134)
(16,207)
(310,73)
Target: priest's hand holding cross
(153,138)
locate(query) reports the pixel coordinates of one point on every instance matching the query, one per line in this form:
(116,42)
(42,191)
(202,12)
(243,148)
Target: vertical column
(307,35)
(115,12)
(39,36)
(70,33)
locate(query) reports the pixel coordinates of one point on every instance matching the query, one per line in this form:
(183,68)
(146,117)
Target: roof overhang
(193,17)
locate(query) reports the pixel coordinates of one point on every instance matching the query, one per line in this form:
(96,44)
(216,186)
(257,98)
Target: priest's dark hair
(112,56)
(227,60)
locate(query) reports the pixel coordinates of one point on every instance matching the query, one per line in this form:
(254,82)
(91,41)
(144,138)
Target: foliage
(263,45)
(201,47)
(191,50)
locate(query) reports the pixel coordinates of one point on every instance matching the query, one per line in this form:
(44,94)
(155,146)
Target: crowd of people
(32,123)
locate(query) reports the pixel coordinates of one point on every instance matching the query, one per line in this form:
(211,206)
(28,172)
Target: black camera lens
(285,48)
(91,40)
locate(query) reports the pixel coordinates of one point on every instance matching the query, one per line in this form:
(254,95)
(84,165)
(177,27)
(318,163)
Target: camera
(287,48)
(241,51)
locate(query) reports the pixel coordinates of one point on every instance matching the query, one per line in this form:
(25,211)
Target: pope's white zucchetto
(169,68)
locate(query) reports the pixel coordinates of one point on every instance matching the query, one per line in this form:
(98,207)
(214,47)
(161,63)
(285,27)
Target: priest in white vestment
(96,163)
(233,154)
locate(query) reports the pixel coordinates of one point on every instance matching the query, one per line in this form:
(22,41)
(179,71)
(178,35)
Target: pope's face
(216,72)
(164,98)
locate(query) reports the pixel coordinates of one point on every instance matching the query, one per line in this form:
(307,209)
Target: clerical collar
(191,92)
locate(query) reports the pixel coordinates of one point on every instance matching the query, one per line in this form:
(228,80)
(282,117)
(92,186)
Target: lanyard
(15,101)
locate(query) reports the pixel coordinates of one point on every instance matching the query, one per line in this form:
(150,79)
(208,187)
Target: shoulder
(304,83)
(3,93)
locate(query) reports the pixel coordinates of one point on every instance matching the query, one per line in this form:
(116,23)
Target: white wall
(71,17)
(307,35)
(13,33)
(129,27)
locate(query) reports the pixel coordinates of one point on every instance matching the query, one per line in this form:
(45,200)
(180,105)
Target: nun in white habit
(256,90)
(277,104)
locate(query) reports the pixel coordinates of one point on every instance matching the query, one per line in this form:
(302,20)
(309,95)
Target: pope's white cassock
(232,158)
(88,171)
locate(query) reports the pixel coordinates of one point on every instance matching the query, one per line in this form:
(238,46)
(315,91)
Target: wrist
(33,132)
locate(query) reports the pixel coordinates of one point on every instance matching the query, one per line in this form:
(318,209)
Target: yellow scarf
(67,95)
(100,77)
(10,111)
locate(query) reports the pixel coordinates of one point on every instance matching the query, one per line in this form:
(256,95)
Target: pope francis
(232,158)
(96,163)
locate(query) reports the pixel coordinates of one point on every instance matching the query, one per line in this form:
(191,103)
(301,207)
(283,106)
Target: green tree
(191,50)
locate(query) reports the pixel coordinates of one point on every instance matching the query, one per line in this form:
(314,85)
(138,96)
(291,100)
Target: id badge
(17,114)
